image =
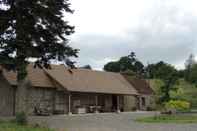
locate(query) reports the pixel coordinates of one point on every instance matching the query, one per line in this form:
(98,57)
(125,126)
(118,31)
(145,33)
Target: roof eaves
(51,77)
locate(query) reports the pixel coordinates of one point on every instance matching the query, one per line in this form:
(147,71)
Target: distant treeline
(160,70)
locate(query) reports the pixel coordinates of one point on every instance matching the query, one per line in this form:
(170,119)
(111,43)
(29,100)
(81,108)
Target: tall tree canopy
(152,70)
(192,77)
(126,63)
(86,67)
(34,29)
(167,73)
(188,66)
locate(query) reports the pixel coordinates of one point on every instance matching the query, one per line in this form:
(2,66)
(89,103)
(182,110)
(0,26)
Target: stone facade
(56,101)
(130,103)
(142,102)
(40,98)
(146,102)
(51,100)
(6,98)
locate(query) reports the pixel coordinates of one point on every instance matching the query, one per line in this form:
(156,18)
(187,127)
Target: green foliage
(156,85)
(168,74)
(182,91)
(177,105)
(86,67)
(21,118)
(185,91)
(112,67)
(192,77)
(191,70)
(169,119)
(188,66)
(34,29)
(9,126)
(126,63)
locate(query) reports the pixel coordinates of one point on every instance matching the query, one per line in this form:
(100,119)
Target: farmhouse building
(61,90)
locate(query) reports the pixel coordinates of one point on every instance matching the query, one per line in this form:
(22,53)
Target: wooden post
(118,104)
(69,104)
(96,101)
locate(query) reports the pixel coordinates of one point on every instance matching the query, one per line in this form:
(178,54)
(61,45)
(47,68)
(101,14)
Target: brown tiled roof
(84,80)
(37,77)
(140,85)
(76,80)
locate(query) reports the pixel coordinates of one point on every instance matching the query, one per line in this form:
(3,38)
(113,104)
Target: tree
(112,67)
(87,67)
(152,69)
(168,75)
(33,29)
(165,72)
(188,65)
(192,78)
(139,67)
(126,63)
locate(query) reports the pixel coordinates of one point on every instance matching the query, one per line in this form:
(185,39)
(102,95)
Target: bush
(21,118)
(177,105)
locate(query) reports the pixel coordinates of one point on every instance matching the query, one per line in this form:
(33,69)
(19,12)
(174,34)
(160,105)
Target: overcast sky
(154,29)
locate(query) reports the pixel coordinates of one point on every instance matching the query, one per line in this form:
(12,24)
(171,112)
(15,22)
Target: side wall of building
(130,103)
(6,98)
(50,100)
(39,98)
(147,102)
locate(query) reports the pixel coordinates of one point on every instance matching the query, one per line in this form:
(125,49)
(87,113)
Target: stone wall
(51,100)
(6,98)
(40,98)
(130,103)
(61,102)
(149,102)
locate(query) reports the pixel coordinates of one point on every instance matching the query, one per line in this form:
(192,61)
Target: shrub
(177,105)
(21,118)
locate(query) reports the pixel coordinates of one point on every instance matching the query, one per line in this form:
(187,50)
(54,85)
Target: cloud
(163,31)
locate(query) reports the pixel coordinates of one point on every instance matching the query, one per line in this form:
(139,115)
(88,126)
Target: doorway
(114,103)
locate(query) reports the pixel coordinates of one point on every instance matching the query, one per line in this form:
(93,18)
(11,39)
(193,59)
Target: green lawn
(10,126)
(169,119)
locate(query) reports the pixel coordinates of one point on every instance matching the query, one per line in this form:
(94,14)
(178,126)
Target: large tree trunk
(22,87)
(21,97)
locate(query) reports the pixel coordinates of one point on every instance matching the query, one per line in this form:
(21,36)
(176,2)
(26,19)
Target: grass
(169,119)
(11,126)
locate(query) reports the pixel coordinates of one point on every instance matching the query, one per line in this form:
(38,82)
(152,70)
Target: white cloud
(154,29)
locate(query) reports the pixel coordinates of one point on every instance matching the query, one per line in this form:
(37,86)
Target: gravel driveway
(108,122)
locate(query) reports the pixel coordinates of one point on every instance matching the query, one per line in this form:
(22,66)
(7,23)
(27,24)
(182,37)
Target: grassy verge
(11,126)
(169,119)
